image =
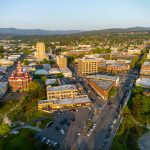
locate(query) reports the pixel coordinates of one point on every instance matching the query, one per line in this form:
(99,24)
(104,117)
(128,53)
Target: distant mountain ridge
(117,30)
(15,31)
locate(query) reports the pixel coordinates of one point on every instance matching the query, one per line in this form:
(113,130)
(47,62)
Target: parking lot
(66,127)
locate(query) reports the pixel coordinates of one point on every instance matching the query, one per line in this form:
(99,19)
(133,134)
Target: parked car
(62,131)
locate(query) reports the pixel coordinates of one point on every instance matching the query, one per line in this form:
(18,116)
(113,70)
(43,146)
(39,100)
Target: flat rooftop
(103,77)
(62,87)
(65,70)
(144,82)
(89,58)
(146,63)
(104,84)
(118,65)
(66,101)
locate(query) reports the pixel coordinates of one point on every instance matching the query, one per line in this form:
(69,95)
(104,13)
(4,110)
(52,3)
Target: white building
(134,51)
(41,72)
(6,62)
(54,71)
(143,82)
(14,57)
(50,81)
(66,72)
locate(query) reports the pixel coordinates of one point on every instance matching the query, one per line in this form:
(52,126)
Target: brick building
(102,84)
(118,68)
(145,69)
(19,80)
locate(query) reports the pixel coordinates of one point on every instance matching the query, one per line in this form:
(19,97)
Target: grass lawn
(22,141)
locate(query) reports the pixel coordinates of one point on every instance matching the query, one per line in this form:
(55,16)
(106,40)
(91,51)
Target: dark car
(57,128)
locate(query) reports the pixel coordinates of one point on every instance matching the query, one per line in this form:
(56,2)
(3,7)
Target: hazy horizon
(82,15)
(73,29)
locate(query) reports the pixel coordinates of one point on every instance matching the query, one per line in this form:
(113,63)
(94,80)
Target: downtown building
(118,68)
(64,97)
(144,79)
(19,81)
(134,51)
(40,51)
(87,66)
(62,64)
(61,61)
(102,84)
(145,69)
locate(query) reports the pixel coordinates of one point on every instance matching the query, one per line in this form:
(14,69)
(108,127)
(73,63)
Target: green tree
(134,62)
(112,92)
(1,51)
(60,75)
(26,62)
(27,51)
(100,51)
(43,78)
(4,129)
(36,91)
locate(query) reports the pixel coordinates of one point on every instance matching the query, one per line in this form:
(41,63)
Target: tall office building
(61,61)
(87,66)
(40,51)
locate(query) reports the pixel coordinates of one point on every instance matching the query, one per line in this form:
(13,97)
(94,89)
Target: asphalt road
(96,139)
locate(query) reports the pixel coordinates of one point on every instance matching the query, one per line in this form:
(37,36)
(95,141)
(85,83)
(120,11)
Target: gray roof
(62,87)
(104,84)
(103,77)
(66,101)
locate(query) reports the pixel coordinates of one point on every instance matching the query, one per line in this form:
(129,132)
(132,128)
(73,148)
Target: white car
(79,134)
(91,129)
(62,131)
(114,121)
(89,133)
(94,125)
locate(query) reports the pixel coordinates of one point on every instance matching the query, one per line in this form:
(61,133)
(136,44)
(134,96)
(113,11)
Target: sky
(74,14)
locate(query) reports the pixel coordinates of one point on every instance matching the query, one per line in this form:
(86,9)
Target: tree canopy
(112,92)
(4,129)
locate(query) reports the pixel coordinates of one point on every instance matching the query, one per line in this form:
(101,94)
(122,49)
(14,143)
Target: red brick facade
(120,68)
(19,81)
(103,93)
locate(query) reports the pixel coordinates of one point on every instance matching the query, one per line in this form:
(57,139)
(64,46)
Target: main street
(96,139)
(104,133)
(104,122)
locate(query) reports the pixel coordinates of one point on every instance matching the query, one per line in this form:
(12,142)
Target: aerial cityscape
(74,75)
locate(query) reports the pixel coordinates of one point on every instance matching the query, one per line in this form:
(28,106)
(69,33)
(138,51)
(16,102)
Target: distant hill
(14,31)
(117,30)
